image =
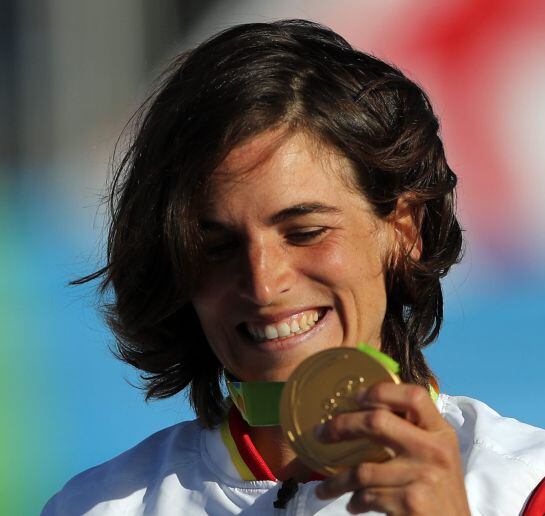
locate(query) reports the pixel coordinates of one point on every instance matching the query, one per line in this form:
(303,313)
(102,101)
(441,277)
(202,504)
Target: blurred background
(73,72)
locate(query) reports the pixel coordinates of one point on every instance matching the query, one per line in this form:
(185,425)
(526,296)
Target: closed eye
(223,249)
(306,236)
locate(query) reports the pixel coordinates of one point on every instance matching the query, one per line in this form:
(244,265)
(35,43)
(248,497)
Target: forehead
(276,160)
(278,178)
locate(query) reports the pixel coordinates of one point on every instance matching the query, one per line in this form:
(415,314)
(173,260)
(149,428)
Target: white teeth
(294,326)
(283,330)
(271,332)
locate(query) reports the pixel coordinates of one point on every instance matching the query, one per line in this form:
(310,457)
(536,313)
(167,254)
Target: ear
(405,222)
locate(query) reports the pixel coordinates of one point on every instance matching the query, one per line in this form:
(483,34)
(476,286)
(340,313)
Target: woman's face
(295,258)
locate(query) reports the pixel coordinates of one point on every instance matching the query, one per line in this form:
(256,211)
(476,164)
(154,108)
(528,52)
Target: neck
(278,454)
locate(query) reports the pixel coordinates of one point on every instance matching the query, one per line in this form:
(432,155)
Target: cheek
(209,307)
(209,311)
(344,263)
(211,291)
(203,301)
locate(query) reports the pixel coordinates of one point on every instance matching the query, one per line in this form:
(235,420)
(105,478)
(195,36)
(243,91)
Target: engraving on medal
(343,398)
(322,386)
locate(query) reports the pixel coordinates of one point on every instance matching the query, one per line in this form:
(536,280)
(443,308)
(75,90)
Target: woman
(286,194)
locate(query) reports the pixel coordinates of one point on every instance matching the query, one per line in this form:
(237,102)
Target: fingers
(365,475)
(386,500)
(382,426)
(386,487)
(393,501)
(424,477)
(413,401)
(402,417)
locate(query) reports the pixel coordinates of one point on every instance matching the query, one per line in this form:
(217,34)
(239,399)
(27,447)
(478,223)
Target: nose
(266,274)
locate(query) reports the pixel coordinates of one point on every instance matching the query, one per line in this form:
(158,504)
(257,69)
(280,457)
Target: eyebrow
(302,209)
(298,210)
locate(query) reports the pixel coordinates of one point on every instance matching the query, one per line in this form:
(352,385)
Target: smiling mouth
(296,324)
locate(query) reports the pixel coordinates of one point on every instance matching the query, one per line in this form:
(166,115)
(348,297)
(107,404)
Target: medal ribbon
(258,402)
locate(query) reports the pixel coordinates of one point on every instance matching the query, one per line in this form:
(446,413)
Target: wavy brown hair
(247,79)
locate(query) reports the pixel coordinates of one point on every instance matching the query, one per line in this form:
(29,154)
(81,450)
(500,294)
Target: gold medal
(321,386)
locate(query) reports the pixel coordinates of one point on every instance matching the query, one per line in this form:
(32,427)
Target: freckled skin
(265,271)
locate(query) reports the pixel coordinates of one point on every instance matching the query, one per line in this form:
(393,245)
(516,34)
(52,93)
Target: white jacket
(188,470)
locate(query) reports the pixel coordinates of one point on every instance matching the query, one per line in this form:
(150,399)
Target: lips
(294,324)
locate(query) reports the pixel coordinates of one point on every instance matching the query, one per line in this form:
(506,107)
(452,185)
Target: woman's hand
(424,477)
